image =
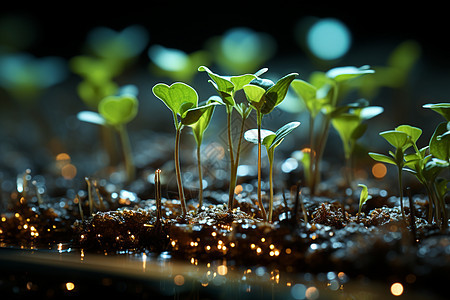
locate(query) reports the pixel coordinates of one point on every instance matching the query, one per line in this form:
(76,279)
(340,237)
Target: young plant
(270,140)
(263,96)
(321,98)
(363,197)
(348,122)
(198,128)
(117,111)
(182,100)
(402,138)
(226,87)
(427,163)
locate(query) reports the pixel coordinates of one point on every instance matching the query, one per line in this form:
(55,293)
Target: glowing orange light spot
(379,170)
(396,289)
(62,156)
(238,189)
(68,171)
(70,286)
(178,280)
(222,270)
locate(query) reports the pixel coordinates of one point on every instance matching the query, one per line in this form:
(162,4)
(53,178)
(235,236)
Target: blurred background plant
(59,64)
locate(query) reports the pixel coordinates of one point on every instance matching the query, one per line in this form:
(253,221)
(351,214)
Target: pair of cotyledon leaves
(263,94)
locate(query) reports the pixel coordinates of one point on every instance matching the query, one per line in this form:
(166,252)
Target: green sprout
(321,97)
(199,128)
(429,162)
(226,87)
(182,100)
(263,96)
(363,197)
(402,138)
(270,140)
(348,122)
(116,111)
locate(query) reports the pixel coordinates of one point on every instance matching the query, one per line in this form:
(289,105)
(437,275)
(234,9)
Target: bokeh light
(328,39)
(396,289)
(168,59)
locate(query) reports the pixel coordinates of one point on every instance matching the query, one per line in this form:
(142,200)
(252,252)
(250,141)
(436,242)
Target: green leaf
(222,84)
(192,115)
(382,158)
(176,95)
(364,196)
(398,139)
(413,132)
(340,74)
(202,124)
(262,83)
(441,108)
(240,81)
(307,92)
(281,133)
(254,95)
(276,94)
(440,142)
(118,110)
(434,167)
(345,124)
(251,135)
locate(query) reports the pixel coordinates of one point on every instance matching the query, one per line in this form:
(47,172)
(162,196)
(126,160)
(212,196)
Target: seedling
(199,128)
(348,122)
(270,140)
(402,138)
(226,87)
(321,97)
(117,111)
(182,100)
(427,167)
(363,197)
(263,96)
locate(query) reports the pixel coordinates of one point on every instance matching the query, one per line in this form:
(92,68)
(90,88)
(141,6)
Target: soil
(377,244)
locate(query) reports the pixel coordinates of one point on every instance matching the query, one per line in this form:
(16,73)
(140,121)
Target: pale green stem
(400,187)
(318,155)
(233,177)
(127,154)
(232,164)
(270,154)
(311,152)
(261,206)
(178,171)
(200,179)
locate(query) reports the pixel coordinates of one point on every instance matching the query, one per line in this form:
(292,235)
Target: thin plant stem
(400,187)
(261,206)
(232,163)
(271,154)
(311,151)
(127,154)
(80,207)
(178,172)
(158,194)
(233,177)
(91,198)
(318,155)
(200,179)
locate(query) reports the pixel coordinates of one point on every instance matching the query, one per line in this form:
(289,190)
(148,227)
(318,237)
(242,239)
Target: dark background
(62,27)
